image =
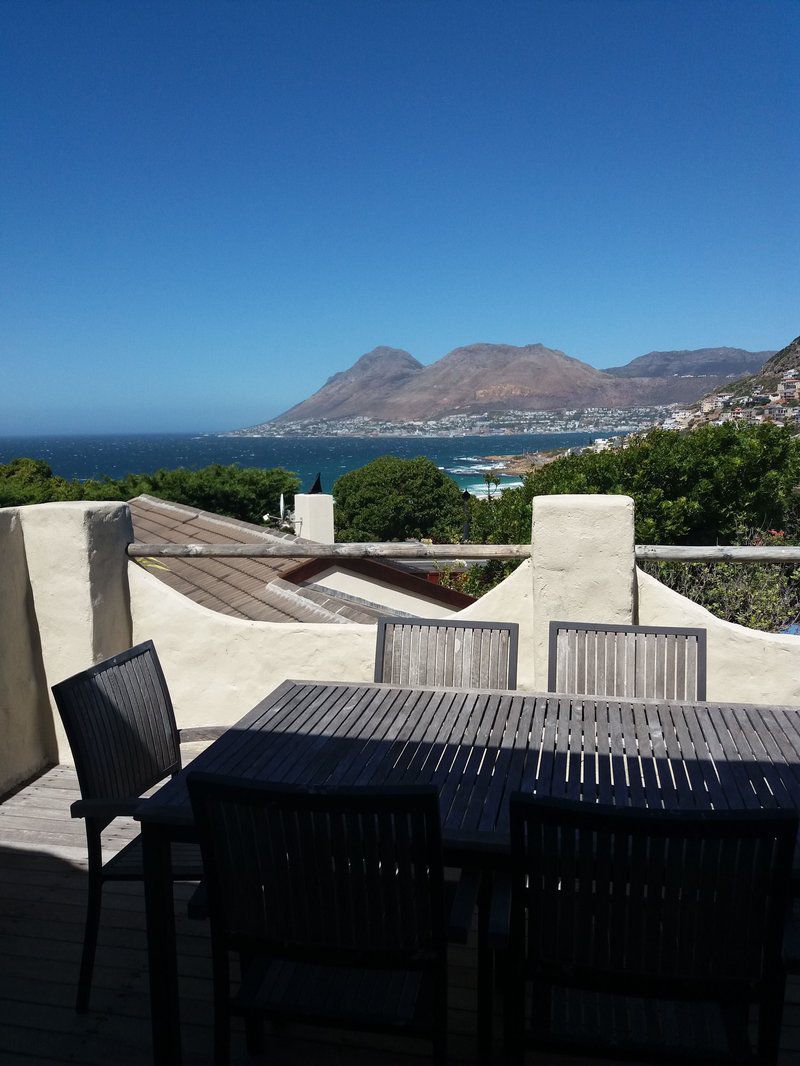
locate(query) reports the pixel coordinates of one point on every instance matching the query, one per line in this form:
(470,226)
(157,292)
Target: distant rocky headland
(494,388)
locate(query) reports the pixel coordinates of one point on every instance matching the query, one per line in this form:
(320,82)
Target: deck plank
(42,886)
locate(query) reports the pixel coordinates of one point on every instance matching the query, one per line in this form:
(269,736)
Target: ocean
(463,458)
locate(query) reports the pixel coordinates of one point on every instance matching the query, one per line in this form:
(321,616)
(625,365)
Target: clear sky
(211,207)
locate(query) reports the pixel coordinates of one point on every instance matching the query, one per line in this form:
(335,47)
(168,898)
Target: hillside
(390,384)
(721,362)
(765,380)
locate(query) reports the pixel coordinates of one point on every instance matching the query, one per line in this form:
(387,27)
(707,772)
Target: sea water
(463,458)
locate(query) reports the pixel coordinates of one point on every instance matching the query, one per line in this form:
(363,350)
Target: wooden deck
(42,884)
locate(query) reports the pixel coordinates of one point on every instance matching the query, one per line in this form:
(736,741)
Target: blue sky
(211,207)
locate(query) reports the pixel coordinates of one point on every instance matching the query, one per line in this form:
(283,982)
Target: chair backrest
(655,895)
(350,877)
(120,724)
(640,662)
(454,654)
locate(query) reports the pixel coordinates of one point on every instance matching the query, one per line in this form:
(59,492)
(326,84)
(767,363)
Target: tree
(701,487)
(729,484)
(246,493)
(392,499)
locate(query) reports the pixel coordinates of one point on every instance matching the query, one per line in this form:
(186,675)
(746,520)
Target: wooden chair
(448,653)
(641,662)
(121,728)
(335,900)
(641,928)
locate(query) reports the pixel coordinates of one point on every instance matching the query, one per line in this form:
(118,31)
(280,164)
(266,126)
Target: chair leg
(93,903)
(222,1013)
(440,1013)
(770,1016)
(254,1034)
(514,1016)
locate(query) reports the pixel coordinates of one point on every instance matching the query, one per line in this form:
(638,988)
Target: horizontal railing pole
(717,553)
(289,550)
(678,553)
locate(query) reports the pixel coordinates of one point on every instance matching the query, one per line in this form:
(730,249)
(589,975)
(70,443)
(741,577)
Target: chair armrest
(104,809)
(201,732)
(500,913)
(462,907)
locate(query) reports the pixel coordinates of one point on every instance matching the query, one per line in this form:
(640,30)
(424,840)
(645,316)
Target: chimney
(313,514)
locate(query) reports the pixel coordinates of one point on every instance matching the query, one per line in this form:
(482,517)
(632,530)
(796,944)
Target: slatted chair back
(445,653)
(694,899)
(348,877)
(640,662)
(120,724)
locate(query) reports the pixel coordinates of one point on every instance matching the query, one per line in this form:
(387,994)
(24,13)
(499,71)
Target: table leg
(161,950)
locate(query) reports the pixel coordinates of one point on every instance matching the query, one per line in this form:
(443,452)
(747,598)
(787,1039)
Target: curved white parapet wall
(218,667)
(511,601)
(744,665)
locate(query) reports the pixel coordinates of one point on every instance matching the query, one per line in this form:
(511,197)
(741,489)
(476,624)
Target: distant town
(584,420)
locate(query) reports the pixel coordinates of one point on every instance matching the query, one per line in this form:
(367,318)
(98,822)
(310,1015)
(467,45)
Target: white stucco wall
(26,722)
(512,601)
(744,665)
(367,588)
(218,667)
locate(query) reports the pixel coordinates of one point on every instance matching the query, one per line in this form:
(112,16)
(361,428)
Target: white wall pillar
(78,571)
(313,516)
(26,721)
(583,564)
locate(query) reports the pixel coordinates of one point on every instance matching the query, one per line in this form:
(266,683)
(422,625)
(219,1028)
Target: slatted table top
(478,747)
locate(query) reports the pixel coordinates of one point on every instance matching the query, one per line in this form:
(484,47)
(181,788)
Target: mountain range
(390,384)
(766,378)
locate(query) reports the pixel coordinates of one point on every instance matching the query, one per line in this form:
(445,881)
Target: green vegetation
(702,487)
(727,484)
(758,595)
(392,499)
(246,493)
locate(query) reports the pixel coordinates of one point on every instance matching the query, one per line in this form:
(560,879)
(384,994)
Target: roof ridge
(278,587)
(222,520)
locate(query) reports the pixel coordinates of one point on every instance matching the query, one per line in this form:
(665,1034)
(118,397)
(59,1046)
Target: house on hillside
(775,412)
(282,589)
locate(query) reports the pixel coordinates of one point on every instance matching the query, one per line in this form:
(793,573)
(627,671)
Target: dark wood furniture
(335,901)
(476,748)
(453,653)
(653,906)
(637,662)
(120,725)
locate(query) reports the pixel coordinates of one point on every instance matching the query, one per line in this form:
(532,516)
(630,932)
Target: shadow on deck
(42,886)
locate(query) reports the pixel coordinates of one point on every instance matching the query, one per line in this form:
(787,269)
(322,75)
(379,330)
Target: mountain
(378,373)
(706,362)
(390,384)
(765,381)
(499,377)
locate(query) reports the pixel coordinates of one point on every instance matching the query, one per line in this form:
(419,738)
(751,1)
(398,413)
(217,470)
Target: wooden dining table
(477,747)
